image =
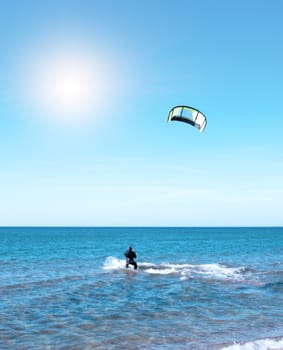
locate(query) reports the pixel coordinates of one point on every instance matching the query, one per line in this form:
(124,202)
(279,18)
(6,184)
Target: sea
(195,288)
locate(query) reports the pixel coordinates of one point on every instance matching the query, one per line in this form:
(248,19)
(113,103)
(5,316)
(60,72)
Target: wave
(37,284)
(262,344)
(275,286)
(185,271)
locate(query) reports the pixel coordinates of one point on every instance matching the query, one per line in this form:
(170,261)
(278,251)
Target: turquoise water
(195,288)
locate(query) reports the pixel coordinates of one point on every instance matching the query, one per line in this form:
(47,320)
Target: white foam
(112,263)
(183,278)
(210,271)
(262,344)
(161,271)
(145,264)
(164,268)
(220,271)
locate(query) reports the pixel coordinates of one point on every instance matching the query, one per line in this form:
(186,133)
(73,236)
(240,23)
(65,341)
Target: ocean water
(195,288)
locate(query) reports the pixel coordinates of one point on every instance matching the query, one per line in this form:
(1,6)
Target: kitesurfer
(130,256)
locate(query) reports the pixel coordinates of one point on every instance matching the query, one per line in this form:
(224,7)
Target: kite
(188,115)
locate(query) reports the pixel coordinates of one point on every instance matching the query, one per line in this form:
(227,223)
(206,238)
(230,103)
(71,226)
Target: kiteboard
(130,269)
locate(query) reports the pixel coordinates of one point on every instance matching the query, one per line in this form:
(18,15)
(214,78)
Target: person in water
(130,256)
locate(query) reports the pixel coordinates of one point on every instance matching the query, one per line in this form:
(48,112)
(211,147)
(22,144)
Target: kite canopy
(188,115)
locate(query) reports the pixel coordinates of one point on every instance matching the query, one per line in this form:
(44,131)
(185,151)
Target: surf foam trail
(262,344)
(184,271)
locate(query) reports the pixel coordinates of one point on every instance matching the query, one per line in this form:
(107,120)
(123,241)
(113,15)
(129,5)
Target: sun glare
(67,85)
(66,88)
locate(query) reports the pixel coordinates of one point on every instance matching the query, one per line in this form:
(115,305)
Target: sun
(70,88)
(67,85)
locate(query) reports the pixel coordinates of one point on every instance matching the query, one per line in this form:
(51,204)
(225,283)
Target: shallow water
(195,288)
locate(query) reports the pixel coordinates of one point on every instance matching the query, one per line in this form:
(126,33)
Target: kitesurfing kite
(188,115)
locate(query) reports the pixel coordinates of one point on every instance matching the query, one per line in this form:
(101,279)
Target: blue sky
(85,90)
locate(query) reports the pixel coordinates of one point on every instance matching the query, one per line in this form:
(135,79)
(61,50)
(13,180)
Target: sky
(85,91)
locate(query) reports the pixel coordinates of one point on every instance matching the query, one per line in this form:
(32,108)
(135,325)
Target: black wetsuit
(130,256)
